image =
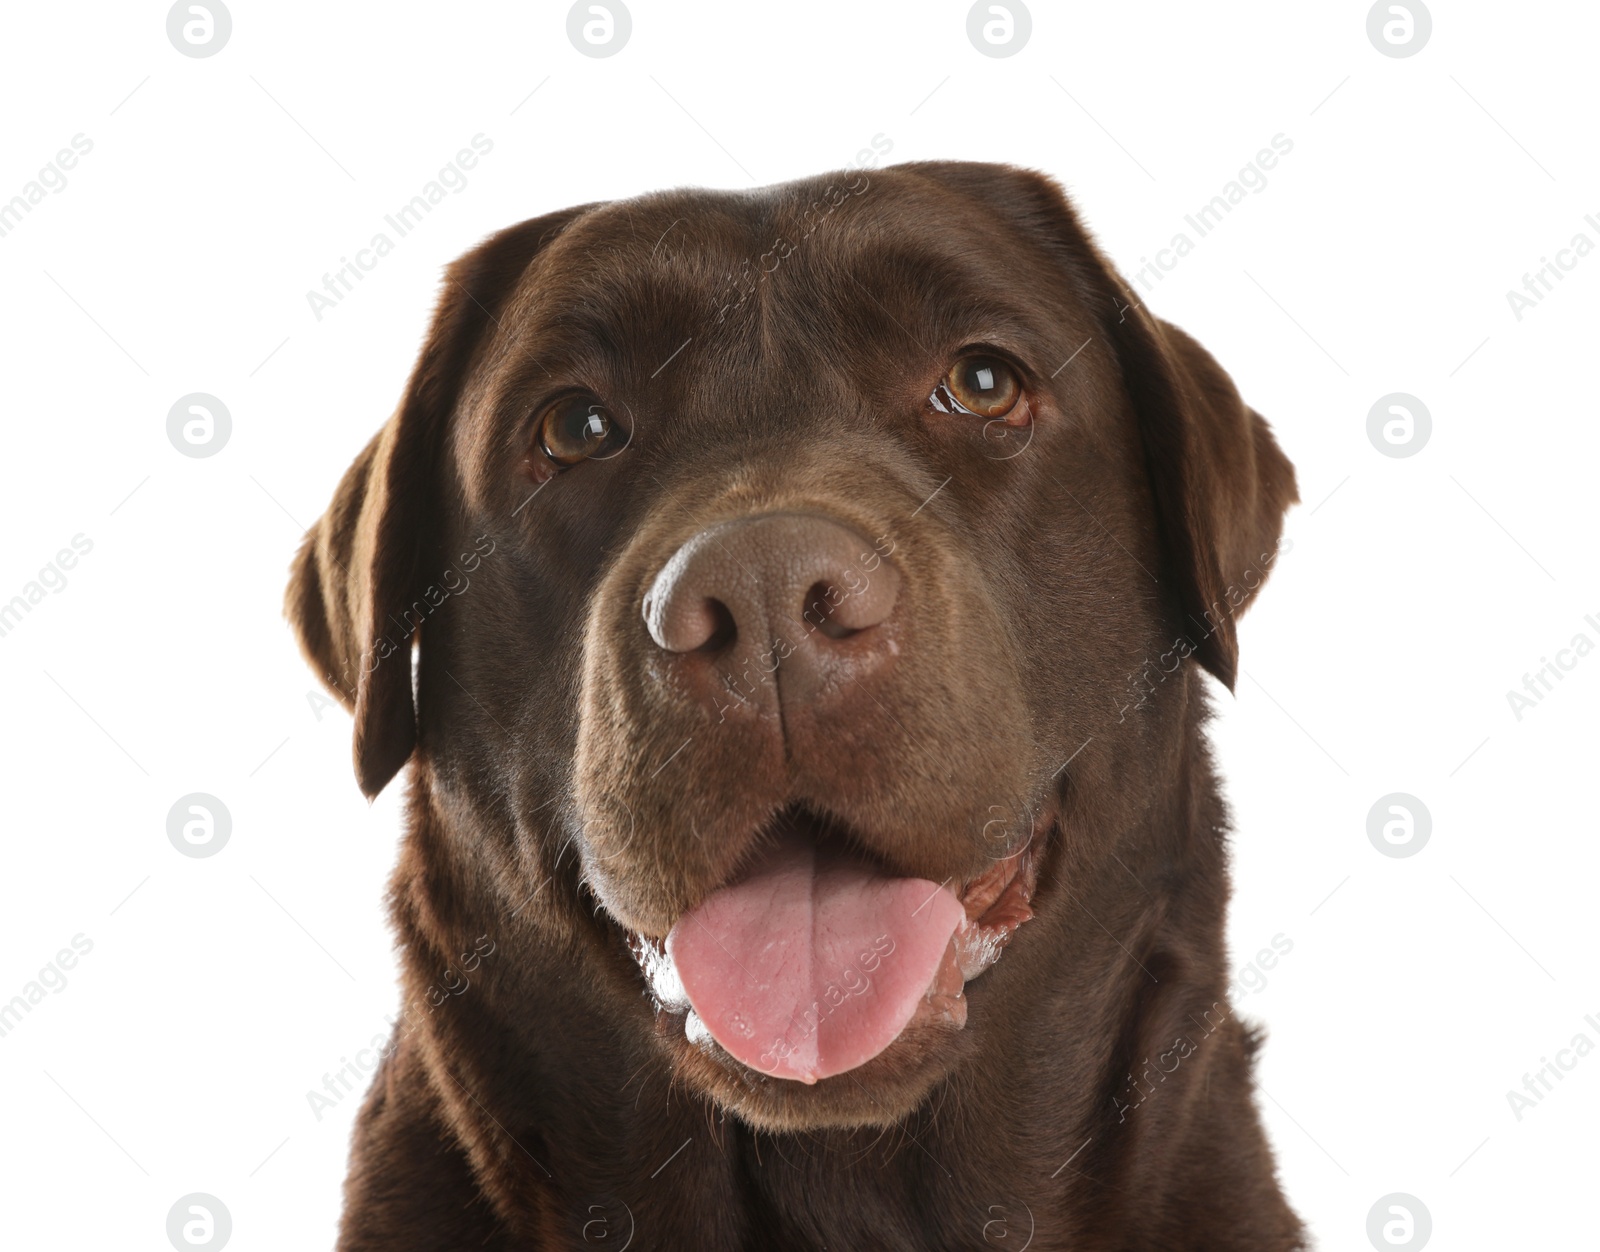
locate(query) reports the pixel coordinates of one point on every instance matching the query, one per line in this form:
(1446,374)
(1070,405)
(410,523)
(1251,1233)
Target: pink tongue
(813,964)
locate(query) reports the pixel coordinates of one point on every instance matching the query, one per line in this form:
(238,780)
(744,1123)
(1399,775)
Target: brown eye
(982,385)
(574,429)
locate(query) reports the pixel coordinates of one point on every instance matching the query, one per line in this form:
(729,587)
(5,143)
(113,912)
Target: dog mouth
(815,960)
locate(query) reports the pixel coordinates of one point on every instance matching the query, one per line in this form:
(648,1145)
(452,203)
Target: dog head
(778,553)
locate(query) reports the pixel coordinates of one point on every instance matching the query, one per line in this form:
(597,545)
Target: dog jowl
(780,740)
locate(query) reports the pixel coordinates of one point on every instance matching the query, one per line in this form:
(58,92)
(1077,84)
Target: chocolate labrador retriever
(793,605)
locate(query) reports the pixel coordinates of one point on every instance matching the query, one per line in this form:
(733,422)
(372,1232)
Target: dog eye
(980,384)
(574,428)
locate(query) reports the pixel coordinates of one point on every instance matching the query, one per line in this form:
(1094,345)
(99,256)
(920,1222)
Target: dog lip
(997,902)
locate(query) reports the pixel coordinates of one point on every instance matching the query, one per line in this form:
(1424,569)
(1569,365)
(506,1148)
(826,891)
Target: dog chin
(878,1093)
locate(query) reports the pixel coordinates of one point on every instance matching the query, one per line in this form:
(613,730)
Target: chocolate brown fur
(1058,604)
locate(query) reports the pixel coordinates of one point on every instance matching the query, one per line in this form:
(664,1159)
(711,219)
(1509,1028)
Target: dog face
(774,558)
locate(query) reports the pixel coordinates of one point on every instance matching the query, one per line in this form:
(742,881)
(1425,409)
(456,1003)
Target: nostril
(723,628)
(820,613)
(681,623)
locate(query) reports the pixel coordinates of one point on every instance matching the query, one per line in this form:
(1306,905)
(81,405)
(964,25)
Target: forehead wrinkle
(622,324)
(909,300)
(624,280)
(896,238)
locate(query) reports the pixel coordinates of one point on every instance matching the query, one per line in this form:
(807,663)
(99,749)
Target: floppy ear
(355,589)
(1221,483)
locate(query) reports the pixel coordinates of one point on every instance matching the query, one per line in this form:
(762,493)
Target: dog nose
(802,587)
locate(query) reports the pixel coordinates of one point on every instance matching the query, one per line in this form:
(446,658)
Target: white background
(177,259)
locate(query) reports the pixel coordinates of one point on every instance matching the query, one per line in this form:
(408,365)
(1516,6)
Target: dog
(792,606)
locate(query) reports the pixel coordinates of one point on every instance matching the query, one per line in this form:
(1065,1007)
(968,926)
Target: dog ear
(1221,483)
(355,596)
